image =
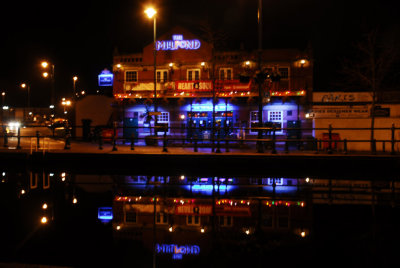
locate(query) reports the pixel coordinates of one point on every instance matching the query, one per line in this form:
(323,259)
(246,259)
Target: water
(200,221)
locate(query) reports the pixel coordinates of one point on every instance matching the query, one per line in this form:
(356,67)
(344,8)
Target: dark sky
(79,37)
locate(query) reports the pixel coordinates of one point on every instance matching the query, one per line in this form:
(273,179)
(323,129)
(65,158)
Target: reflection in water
(55,218)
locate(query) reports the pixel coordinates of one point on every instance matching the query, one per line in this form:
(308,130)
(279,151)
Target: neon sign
(105,78)
(177,251)
(105,214)
(177,42)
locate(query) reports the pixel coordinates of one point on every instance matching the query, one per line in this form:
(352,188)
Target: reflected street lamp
(151,13)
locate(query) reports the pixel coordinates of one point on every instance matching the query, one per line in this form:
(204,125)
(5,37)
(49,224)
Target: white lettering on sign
(177,42)
(338,97)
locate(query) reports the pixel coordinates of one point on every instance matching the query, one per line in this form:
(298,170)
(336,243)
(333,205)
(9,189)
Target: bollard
(19,139)
(38,139)
(5,139)
(114,139)
(133,141)
(67,142)
(316,146)
(227,145)
(286,147)
(218,143)
(67,139)
(273,140)
(165,150)
(100,142)
(345,146)
(373,146)
(330,139)
(393,132)
(195,144)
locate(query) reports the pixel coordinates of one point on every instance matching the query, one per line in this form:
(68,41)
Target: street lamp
(3,96)
(28,87)
(45,65)
(74,80)
(151,13)
(65,103)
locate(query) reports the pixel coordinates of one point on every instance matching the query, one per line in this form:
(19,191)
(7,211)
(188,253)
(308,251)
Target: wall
(94,107)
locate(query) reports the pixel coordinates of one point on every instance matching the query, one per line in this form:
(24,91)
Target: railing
(218,139)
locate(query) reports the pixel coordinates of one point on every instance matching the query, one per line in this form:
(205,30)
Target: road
(28,139)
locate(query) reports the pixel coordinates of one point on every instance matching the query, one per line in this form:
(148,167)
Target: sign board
(361,111)
(178,42)
(105,78)
(381,112)
(342,97)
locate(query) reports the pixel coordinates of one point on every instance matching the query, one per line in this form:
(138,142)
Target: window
(225,221)
(162,76)
(193,74)
(284,72)
(131,217)
(163,117)
(131,76)
(276,117)
(193,220)
(161,218)
(225,73)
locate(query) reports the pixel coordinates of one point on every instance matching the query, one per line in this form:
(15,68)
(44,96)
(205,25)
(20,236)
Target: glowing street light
(43,220)
(46,74)
(74,79)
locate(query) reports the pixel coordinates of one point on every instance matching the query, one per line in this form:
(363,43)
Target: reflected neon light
(177,42)
(207,188)
(177,251)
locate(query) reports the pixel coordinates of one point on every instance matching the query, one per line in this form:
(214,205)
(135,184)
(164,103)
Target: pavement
(58,146)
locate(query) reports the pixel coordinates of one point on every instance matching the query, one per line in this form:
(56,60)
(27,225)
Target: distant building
(349,115)
(189,73)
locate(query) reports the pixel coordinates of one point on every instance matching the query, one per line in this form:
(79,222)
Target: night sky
(79,37)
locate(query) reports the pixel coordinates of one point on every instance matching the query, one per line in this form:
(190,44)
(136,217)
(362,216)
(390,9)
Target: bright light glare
(23,85)
(150,12)
(247,231)
(303,234)
(202,230)
(45,64)
(45,74)
(74,200)
(43,220)
(44,206)
(75,78)
(170,229)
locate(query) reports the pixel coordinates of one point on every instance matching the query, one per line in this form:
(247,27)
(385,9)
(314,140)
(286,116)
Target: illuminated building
(188,77)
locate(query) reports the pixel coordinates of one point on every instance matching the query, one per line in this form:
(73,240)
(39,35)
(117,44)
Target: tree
(372,67)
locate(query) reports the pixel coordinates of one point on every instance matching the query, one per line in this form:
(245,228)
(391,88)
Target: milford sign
(178,42)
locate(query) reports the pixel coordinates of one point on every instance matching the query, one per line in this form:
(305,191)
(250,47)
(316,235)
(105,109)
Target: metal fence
(218,139)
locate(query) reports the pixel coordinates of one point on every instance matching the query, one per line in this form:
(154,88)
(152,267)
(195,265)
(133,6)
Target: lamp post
(28,88)
(260,148)
(74,81)
(45,65)
(3,96)
(151,13)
